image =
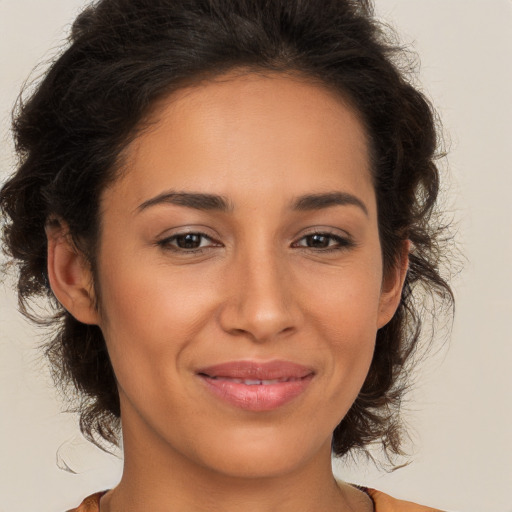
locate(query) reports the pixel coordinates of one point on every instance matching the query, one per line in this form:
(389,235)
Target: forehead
(222,134)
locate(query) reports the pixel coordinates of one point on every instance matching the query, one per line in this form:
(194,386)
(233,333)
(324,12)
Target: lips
(256,386)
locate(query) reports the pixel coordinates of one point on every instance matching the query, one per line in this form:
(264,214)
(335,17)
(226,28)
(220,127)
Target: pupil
(189,241)
(318,241)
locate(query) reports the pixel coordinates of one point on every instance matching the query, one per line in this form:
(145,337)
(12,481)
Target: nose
(259,298)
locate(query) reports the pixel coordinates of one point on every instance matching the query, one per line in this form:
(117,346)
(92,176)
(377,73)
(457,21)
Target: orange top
(383,503)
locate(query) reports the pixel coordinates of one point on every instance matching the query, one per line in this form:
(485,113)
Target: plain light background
(461,410)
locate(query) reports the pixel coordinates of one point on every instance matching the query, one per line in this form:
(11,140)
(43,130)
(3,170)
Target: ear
(392,285)
(69,274)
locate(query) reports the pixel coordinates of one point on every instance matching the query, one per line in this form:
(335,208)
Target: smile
(257,382)
(256,386)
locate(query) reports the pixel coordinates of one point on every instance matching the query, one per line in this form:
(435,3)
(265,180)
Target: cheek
(140,288)
(150,312)
(157,318)
(344,300)
(149,325)
(344,310)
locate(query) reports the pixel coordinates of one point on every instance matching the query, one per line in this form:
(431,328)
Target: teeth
(255,382)
(252,382)
(264,382)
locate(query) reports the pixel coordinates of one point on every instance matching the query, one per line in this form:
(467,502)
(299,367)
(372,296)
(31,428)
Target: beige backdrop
(461,411)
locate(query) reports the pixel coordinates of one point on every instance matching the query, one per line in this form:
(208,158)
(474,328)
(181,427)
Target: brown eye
(324,242)
(189,241)
(318,241)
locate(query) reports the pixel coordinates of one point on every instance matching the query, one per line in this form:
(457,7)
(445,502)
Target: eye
(325,242)
(190,242)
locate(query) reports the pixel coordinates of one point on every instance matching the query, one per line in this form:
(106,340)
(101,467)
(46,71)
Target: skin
(260,289)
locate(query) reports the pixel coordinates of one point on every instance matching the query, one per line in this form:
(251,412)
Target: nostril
(258,308)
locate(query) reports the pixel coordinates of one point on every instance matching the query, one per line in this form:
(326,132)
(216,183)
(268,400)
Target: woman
(229,205)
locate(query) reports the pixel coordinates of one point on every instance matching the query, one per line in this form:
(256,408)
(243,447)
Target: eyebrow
(194,200)
(202,201)
(326,200)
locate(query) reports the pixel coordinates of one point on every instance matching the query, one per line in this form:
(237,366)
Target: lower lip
(257,397)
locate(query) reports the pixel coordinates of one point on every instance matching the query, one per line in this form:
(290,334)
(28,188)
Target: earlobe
(69,275)
(392,286)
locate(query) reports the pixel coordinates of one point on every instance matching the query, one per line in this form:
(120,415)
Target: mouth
(253,382)
(257,386)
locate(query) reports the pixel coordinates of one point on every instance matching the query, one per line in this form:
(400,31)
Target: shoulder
(385,503)
(90,504)
(381,501)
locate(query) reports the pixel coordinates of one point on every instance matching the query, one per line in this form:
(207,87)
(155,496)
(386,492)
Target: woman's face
(241,276)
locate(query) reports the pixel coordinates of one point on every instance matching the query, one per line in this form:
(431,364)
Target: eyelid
(165,241)
(324,230)
(345,240)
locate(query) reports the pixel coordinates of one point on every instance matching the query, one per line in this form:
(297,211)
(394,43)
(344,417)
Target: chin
(254,466)
(263,456)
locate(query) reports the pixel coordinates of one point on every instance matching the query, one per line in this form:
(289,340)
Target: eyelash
(343,243)
(166,242)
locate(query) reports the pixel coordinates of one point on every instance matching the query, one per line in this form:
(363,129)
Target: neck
(159,479)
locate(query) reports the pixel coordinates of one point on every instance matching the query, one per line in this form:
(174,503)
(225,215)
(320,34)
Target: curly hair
(122,56)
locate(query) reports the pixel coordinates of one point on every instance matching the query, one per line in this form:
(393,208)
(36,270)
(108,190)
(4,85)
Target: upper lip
(258,370)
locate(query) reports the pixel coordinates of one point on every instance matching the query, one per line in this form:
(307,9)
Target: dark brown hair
(123,56)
